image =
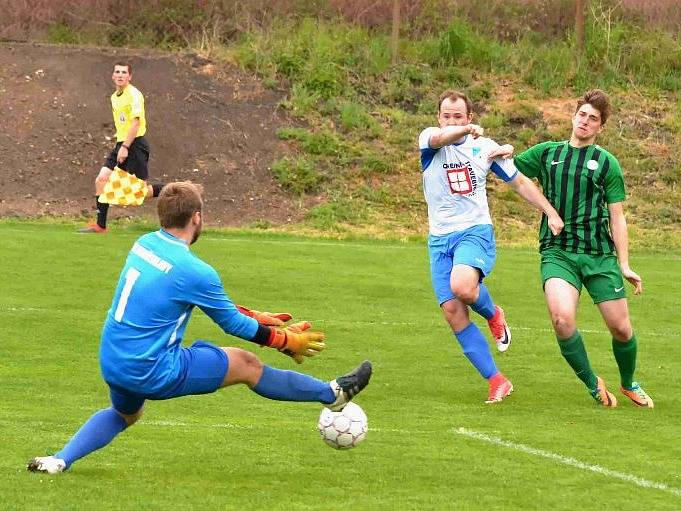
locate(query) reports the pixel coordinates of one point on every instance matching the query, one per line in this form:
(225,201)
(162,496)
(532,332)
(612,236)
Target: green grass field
(432,443)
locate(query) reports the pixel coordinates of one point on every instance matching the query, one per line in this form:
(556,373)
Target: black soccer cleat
(348,386)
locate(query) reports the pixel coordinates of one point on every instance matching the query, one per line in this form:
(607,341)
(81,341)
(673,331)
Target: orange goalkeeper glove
(295,342)
(266,318)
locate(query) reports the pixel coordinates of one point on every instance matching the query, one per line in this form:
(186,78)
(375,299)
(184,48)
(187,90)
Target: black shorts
(137,161)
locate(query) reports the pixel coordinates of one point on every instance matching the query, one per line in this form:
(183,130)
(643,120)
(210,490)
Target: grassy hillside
(364,115)
(360,113)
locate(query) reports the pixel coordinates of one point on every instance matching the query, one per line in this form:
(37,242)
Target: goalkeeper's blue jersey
(159,286)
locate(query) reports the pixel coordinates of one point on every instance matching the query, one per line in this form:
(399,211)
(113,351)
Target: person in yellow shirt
(131,152)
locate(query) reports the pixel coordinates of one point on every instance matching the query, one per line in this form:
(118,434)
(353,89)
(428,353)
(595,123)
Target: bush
(298,175)
(61,33)
(353,116)
(322,142)
(339,209)
(522,114)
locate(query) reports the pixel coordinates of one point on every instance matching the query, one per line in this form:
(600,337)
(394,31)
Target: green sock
(574,352)
(625,355)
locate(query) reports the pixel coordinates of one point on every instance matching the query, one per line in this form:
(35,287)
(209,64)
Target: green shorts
(600,274)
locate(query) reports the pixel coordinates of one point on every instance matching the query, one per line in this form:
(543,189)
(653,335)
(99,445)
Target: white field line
(350,244)
(178,424)
(526,449)
(668,334)
(229,425)
(339,243)
(566,460)
(408,246)
(411,245)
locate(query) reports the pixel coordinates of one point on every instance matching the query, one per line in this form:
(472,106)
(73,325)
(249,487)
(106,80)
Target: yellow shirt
(126,106)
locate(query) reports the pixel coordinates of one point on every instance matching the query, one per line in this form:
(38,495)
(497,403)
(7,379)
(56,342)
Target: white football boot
(47,464)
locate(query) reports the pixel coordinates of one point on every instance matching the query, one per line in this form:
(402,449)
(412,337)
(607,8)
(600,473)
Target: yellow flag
(124,189)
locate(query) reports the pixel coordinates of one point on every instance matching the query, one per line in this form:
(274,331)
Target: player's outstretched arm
(503,151)
(266,318)
(450,134)
(532,194)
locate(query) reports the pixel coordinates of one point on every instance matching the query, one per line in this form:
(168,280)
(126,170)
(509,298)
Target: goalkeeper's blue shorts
(203,369)
(473,247)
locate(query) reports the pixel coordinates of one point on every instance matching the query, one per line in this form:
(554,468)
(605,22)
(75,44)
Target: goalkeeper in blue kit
(141,352)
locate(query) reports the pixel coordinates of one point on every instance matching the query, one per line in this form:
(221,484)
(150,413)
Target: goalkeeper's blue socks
(476,349)
(484,304)
(97,432)
(292,386)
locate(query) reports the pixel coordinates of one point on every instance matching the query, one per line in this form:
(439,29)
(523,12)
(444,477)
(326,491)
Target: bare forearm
(132,132)
(618,227)
(532,194)
(528,191)
(450,134)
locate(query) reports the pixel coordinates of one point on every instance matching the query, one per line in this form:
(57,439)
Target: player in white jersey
(456,160)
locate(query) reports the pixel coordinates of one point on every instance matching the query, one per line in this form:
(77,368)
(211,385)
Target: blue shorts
(473,247)
(203,370)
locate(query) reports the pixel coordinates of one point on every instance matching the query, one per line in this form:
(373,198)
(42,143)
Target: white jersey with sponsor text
(455,181)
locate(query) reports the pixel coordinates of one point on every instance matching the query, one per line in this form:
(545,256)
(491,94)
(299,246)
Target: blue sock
(476,349)
(292,386)
(484,304)
(97,432)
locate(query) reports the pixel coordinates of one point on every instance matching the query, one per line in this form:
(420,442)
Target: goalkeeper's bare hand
(296,342)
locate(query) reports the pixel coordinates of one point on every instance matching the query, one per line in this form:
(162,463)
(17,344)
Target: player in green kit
(584,182)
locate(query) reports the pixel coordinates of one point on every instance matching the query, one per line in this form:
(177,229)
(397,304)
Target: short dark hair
(125,64)
(454,95)
(177,202)
(597,99)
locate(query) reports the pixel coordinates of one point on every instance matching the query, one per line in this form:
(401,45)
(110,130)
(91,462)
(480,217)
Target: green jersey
(579,183)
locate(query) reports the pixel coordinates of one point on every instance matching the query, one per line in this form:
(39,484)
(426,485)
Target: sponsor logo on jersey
(554,162)
(461,178)
(151,258)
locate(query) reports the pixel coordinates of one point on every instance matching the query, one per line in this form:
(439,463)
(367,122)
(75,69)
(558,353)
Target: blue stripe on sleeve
(427,156)
(496,168)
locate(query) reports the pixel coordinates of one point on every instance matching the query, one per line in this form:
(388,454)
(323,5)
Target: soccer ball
(344,429)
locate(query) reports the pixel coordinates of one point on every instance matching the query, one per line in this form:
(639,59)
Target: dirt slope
(206,124)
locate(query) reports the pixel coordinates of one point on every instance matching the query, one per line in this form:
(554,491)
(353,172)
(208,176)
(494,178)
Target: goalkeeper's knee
(244,367)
